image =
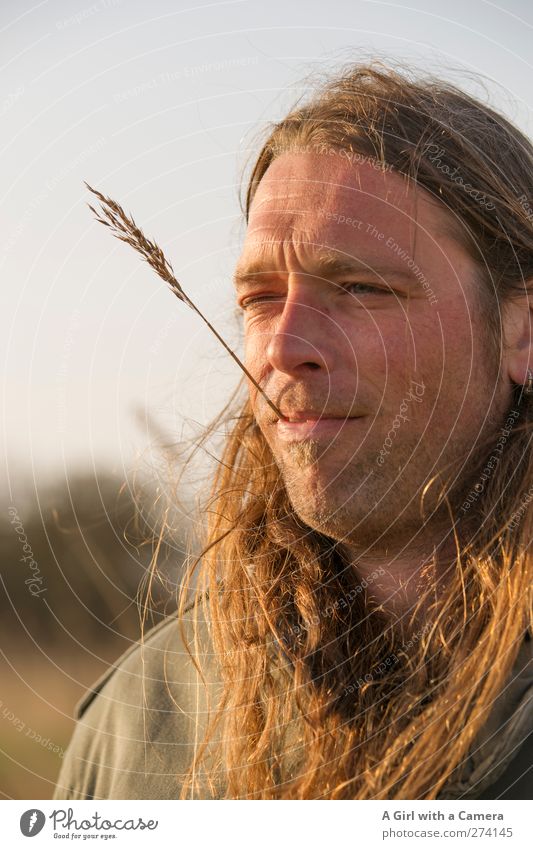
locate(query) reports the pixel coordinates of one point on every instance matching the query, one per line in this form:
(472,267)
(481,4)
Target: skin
(321,340)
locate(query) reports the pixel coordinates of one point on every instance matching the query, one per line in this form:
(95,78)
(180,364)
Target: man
(362,629)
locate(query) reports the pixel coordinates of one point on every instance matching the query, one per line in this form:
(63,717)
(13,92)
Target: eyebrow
(324,264)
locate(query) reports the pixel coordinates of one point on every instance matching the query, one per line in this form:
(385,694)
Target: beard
(416,494)
(304,454)
(341,500)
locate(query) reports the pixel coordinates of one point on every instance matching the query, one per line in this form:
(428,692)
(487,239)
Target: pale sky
(160,105)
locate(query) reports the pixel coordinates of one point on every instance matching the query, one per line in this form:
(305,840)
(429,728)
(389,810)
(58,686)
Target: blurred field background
(72,603)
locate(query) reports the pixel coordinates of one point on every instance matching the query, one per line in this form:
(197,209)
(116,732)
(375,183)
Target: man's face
(362,321)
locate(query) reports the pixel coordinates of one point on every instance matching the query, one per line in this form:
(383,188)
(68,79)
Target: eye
(249,302)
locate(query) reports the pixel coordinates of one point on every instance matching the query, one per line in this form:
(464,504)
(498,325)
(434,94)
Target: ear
(517,320)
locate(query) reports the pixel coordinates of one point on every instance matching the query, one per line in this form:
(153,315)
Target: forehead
(324,200)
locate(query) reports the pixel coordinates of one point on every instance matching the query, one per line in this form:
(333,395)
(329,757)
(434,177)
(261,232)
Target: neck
(404,585)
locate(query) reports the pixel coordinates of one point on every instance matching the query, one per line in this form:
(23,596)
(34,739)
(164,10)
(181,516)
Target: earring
(528,390)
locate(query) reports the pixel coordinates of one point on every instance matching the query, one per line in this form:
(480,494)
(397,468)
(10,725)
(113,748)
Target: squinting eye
(366,288)
(249,302)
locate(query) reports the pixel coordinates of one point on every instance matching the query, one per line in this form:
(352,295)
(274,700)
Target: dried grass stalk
(124,228)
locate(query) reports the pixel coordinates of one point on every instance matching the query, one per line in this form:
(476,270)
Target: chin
(325,508)
(345,510)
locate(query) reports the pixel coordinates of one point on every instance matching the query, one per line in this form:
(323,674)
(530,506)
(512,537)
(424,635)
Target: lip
(312,428)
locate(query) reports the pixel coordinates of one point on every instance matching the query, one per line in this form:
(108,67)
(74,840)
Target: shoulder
(499,764)
(137,723)
(162,638)
(509,732)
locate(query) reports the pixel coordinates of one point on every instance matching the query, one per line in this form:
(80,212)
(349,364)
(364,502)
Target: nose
(302,337)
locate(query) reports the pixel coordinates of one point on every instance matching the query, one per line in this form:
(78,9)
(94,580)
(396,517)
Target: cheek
(406,362)
(384,351)
(447,352)
(440,355)
(256,361)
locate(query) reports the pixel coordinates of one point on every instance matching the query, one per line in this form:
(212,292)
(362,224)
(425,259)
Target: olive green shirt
(138,726)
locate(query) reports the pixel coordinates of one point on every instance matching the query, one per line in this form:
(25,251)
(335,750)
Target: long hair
(320,696)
